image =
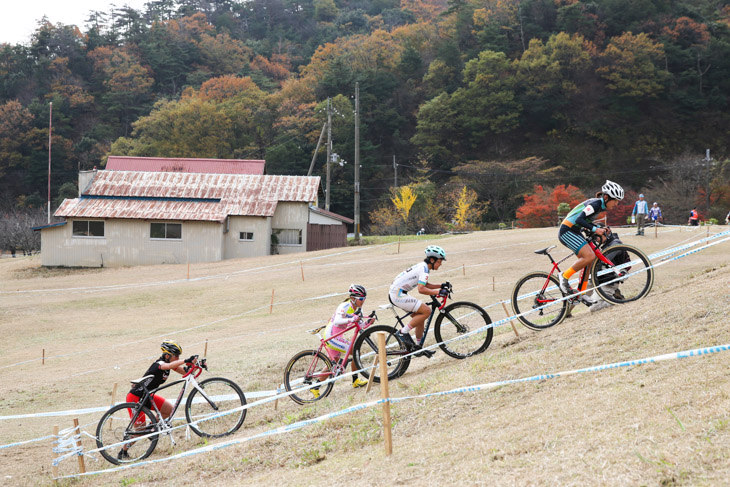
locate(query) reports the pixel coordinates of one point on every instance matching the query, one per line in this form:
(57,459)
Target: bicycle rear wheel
(366,349)
(222,395)
(458,319)
(116,426)
(307,368)
(637,278)
(539,290)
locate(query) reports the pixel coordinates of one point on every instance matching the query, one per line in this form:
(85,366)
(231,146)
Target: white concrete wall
(260,227)
(291,215)
(128,242)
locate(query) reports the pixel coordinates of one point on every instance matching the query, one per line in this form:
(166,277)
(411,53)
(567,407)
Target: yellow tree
(467,206)
(403,199)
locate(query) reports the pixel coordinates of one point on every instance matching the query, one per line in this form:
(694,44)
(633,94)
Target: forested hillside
(495,95)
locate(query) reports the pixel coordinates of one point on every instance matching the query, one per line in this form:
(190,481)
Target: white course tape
(102,409)
(698,352)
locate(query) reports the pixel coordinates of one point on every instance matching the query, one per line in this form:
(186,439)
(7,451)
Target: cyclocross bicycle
(206,398)
(452,321)
(310,367)
(540,290)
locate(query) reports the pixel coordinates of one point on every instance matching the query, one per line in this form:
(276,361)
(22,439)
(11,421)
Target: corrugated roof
(332,215)
(186,196)
(179,164)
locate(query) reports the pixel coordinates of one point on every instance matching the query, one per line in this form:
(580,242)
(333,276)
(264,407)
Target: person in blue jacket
(641,209)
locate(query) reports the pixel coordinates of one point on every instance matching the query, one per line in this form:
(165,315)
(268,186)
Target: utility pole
(314,157)
(395,171)
(329,156)
(357,162)
(50,130)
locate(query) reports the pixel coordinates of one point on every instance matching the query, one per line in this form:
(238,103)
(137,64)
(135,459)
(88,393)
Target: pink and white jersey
(410,279)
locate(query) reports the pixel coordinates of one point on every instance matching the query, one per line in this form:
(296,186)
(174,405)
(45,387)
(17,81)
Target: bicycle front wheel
(116,426)
(458,319)
(366,349)
(215,396)
(632,267)
(539,291)
(307,368)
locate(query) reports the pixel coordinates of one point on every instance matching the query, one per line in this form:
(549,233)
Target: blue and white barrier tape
(698,352)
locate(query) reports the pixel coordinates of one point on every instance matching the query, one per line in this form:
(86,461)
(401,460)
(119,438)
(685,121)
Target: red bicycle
(539,293)
(310,367)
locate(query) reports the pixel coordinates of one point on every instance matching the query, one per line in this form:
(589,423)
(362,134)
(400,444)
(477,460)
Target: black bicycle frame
(434,305)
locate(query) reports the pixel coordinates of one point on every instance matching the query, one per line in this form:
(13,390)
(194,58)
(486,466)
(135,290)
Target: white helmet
(613,190)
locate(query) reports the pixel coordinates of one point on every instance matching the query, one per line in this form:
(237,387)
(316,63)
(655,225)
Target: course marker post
(656,232)
(82,465)
(301,266)
(399,245)
(511,322)
(387,434)
(271,306)
(205,350)
(463,269)
(43,357)
(188,264)
(493,283)
(114,400)
(55,441)
(372,373)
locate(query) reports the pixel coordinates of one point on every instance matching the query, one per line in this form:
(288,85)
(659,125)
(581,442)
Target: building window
(170,231)
(289,236)
(88,228)
(245,235)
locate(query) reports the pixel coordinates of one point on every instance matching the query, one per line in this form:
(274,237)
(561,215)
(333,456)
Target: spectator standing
(694,217)
(655,213)
(641,209)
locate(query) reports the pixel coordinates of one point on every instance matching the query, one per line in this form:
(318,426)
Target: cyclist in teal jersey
(583,216)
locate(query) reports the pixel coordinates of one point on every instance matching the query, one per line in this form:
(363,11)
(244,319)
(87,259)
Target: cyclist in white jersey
(416,277)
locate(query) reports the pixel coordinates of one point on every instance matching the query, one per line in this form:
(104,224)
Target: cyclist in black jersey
(583,216)
(159,372)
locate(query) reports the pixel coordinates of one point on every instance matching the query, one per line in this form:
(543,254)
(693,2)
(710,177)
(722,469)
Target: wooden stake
(514,329)
(493,283)
(271,307)
(387,433)
(301,265)
(656,232)
(399,245)
(205,350)
(463,269)
(82,466)
(188,264)
(55,441)
(114,400)
(372,374)
(43,357)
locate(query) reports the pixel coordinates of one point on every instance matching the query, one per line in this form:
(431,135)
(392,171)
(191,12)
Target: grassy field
(656,424)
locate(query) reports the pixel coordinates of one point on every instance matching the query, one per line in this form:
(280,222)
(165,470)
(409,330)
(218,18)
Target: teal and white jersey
(584,213)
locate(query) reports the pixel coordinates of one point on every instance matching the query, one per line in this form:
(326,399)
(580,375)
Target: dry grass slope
(655,424)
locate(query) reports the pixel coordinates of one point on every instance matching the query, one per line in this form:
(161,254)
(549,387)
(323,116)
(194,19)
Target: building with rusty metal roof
(143,217)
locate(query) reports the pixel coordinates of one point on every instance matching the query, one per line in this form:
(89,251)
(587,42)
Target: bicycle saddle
(137,381)
(545,250)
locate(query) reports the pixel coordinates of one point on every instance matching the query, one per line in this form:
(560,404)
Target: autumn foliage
(540,207)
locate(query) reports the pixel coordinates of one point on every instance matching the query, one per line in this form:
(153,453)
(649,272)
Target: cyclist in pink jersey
(347,313)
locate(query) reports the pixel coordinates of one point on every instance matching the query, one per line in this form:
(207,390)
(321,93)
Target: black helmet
(168,346)
(357,291)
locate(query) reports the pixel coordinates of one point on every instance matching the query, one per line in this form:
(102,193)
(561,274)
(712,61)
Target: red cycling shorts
(159,401)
